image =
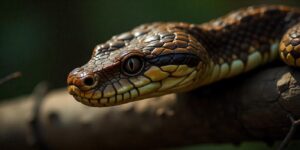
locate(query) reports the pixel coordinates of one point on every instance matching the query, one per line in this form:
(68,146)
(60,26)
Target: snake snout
(82,79)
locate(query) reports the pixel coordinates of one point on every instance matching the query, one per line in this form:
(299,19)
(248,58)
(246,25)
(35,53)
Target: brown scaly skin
(160,58)
(290,46)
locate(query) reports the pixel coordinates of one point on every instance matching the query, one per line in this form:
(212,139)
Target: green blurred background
(46,39)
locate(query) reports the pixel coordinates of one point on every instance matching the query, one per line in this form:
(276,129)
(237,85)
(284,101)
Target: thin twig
(10,77)
(297,122)
(290,134)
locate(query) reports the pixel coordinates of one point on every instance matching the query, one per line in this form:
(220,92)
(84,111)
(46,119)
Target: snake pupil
(88,81)
(133,65)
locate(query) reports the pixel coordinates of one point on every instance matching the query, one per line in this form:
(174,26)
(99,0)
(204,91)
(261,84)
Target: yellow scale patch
(182,70)
(215,73)
(189,78)
(253,61)
(139,81)
(237,67)
(170,76)
(181,75)
(97,95)
(149,88)
(169,68)
(89,94)
(109,91)
(290,59)
(155,74)
(224,71)
(289,48)
(125,86)
(170,82)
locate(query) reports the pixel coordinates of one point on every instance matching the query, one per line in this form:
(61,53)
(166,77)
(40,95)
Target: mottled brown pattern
(221,41)
(290,46)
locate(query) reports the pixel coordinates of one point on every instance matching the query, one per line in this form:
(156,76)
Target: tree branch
(10,77)
(253,107)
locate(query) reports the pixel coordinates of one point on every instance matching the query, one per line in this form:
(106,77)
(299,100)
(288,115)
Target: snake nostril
(89,81)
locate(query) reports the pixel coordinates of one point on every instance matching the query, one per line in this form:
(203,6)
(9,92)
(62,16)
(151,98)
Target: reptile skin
(160,58)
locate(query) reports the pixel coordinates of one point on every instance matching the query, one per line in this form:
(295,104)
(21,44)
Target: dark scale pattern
(256,27)
(175,59)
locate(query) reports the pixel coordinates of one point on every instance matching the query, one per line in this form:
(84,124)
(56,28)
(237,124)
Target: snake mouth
(96,98)
(154,82)
(87,97)
(91,97)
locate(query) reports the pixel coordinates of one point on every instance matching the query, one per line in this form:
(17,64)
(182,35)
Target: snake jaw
(171,79)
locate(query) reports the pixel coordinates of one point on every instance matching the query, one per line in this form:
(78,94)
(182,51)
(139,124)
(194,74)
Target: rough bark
(253,106)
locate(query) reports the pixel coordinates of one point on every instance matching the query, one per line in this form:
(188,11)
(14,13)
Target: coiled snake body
(160,58)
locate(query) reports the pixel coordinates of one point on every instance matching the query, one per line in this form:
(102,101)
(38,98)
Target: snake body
(160,58)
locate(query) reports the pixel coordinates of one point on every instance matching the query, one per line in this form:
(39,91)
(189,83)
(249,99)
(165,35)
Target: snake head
(151,60)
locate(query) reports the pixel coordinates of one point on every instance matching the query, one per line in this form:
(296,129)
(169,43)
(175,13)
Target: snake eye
(89,81)
(133,65)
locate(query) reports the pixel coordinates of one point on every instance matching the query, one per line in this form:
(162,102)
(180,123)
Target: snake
(160,58)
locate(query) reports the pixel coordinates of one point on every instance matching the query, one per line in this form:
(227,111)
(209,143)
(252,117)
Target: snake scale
(165,57)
